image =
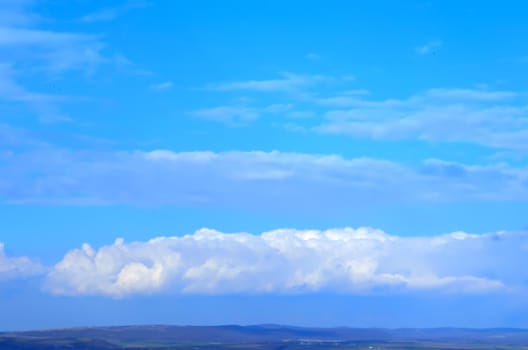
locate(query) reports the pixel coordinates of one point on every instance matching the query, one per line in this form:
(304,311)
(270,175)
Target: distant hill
(261,337)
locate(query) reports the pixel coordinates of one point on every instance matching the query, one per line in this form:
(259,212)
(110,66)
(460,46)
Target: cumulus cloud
(17,267)
(346,260)
(259,180)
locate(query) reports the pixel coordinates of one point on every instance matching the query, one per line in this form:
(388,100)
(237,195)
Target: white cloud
(288,82)
(166,85)
(313,57)
(260,180)
(239,115)
(111,13)
(481,116)
(27,49)
(428,48)
(17,267)
(300,114)
(45,105)
(15,36)
(344,260)
(12,13)
(230,115)
(52,52)
(495,119)
(468,95)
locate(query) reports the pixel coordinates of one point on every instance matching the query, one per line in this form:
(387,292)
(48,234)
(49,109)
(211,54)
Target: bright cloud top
(17,267)
(345,260)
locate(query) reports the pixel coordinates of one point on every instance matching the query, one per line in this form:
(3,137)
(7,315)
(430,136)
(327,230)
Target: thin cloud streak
(166,85)
(496,119)
(429,48)
(111,13)
(266,181)
(484,117)
(289,82)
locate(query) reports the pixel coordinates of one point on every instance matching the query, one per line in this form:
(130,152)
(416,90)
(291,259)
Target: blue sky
(286,161)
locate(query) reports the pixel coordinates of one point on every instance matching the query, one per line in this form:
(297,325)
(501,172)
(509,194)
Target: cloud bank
(347,260)
(245,179)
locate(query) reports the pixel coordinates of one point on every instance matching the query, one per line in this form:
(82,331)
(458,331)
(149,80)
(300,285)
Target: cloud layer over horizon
(265,180)
(286,261)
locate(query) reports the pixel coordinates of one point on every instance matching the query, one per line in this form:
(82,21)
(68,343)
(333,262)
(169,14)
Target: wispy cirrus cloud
(291,87)
(358,98)
(111,13)
(13,13)
(288,82)
(480,116)
(286,261)
(497,119)
(238,114)
(29,48)
(313,57)
(17,36)
(43,104)
(53,52)
(429,47)
(166,85)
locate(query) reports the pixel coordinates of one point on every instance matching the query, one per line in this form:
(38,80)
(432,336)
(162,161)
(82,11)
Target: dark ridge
(262,337)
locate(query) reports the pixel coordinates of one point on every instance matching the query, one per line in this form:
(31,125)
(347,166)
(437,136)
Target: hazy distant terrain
(263,337)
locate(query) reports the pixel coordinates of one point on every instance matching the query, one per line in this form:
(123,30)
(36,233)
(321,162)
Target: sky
(336,163)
